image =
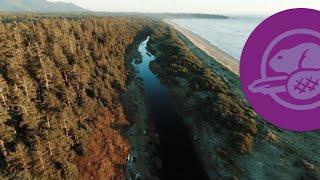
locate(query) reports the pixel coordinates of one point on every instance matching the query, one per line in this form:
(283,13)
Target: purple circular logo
(280,69)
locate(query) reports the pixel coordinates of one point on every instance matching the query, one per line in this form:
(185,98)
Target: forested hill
(38,6)
(161,15)
(59,83)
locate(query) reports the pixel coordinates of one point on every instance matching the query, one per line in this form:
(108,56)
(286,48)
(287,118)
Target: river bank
(231,141)
(219,126)
(143,160)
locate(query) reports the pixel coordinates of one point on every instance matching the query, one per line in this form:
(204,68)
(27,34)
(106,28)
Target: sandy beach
(213,51)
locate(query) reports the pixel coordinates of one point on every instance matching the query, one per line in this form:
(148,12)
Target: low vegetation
(221,108)
(231,140)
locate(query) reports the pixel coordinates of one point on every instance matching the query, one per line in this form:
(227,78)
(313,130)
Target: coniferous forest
(59,82)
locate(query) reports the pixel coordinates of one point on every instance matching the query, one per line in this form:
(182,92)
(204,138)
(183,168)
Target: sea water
(229,35)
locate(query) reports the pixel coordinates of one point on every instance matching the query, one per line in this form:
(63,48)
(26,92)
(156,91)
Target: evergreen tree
(56,74)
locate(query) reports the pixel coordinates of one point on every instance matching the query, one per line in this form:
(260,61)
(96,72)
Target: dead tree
(43,67)
(3,148)
(25,87)
(3,98)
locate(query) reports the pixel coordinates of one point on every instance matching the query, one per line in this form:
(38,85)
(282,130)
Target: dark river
(176,151)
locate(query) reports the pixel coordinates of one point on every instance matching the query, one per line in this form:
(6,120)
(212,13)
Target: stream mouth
(179,159)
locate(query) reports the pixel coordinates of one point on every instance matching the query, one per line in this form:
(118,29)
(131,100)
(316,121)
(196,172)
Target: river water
(178,156)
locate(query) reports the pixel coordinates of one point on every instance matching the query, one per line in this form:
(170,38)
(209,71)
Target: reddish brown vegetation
(106,147)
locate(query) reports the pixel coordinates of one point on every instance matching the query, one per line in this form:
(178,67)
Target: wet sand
(213,51)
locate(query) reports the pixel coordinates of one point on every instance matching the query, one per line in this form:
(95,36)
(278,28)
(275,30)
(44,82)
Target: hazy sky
(196,6)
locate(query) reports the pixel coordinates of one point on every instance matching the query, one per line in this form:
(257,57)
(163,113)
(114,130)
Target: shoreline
(219,55)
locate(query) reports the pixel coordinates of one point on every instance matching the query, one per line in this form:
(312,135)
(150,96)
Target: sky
(196,6)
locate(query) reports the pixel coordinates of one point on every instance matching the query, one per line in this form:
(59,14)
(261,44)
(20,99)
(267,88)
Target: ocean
(230,35)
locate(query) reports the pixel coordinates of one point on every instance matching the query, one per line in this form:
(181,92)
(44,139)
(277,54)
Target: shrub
(243,142)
